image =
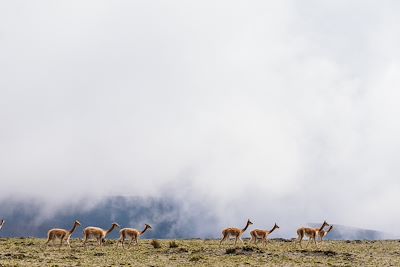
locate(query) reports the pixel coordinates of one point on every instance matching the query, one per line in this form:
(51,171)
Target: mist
(277,112)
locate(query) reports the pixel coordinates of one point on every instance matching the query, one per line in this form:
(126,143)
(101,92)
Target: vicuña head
(324,224)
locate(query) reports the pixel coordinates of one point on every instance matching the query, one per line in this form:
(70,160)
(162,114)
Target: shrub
(230,251)
(173,244)
(248,248)
(155,243)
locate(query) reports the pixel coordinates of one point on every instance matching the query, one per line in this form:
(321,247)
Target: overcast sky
(273,110)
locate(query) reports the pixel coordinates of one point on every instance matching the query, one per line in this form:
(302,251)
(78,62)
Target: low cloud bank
(276,111)
(169,217)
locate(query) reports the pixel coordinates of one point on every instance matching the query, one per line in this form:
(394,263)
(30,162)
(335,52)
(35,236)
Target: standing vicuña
(234,232)
(262,234)
(97,233)
(311,233)
(132,233)
(323,233)
(61,234)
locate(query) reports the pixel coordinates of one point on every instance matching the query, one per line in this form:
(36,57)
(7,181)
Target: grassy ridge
(31,252)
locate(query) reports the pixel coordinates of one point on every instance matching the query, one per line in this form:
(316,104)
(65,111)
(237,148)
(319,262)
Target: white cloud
(272,110)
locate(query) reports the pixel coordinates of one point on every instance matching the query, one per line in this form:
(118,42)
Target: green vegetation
(32,252)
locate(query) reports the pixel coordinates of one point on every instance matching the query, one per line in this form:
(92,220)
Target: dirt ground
(32,252)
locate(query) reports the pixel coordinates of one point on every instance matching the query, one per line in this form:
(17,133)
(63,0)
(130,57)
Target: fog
(279,112)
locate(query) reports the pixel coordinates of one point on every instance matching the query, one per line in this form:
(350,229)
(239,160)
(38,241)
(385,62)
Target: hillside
(172,219)
(342,232)
(30,220)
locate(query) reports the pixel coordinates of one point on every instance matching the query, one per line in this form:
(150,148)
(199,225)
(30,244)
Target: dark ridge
(341,232)
(163,213)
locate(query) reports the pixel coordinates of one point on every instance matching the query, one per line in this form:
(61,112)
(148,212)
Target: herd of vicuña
(133,235)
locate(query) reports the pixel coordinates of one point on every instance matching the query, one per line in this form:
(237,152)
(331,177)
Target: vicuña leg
(68,242)
(223,239)
(300,238)
(130,243)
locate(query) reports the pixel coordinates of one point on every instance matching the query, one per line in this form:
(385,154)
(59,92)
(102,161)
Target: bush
(230,251)
(173,244)
(155,243)
(248,248)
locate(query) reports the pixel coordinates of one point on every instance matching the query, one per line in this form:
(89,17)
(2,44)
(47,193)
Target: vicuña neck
(111,228)
(247,225)
(322,227)
(73,228)
(273,228)
(144,230)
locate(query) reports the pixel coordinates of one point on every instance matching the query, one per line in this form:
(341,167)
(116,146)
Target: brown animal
(61,234)
(234,232)
(323,233)
(311,233)
(131,233)
(97,233)
(262,234)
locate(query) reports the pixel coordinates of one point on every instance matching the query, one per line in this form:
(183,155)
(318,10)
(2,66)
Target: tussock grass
(155,243)
(173,244)
(230,251)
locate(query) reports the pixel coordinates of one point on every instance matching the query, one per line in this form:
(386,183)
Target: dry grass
(173,244)
(31,252)
(155,243)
